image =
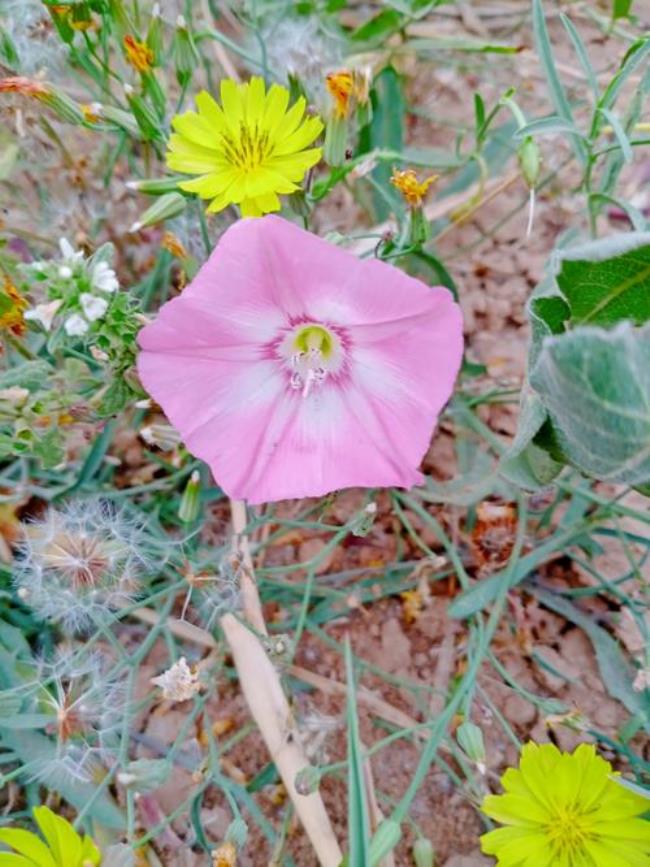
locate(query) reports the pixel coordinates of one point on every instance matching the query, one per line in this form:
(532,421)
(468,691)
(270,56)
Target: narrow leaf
(358,824)
(545,52)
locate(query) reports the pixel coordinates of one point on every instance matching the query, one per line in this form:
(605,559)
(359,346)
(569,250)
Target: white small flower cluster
(80,563)
(94,277)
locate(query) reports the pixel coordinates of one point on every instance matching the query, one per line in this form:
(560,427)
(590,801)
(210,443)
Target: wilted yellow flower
(566,810)
(413,190)
(171,243)
(12,309)
(247,150)
(340,86)
(138,54)
(224,855)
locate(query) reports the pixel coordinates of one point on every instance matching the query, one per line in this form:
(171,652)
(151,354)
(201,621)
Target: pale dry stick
(441,208)
(188,632)
(260,683)
(241,547)
(270,710)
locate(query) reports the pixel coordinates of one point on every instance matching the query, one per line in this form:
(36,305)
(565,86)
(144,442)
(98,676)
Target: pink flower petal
(214,361)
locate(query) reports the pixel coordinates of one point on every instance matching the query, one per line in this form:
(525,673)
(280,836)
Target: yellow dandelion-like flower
(566,810)
(413,190)
(247,150)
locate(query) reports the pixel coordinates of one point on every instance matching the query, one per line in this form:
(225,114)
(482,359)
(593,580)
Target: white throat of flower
(313,352)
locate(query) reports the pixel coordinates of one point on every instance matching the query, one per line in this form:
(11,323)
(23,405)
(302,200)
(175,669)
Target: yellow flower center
(568,831)
(311,352)
(314,338)
(250,150)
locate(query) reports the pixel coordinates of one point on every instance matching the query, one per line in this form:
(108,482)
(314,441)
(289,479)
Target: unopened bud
(336,140)
(190,506)
(384,840)
(423,854)
(237,832)
(156,186)
(530,161)
(147,122)
(155,35)
(307,780)
(470,740)
(145,774)
(186,57)
(167,206)
(363,522)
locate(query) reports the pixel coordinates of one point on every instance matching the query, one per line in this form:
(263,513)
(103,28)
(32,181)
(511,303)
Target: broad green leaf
(358,824)
(28,844)
(608,280)
(10,859)
(595,385)
(526,464)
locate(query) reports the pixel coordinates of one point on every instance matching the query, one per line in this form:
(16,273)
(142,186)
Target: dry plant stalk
(270,710)
(267,703)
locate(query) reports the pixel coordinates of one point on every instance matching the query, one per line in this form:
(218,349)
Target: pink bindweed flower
(294,369)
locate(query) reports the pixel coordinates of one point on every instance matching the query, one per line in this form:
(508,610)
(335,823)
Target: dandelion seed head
(38,46)
(80,562)
(297,46)
(85,697)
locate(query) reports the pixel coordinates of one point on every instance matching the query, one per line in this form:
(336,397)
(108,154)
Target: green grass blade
(581,52)
(556,89)
(358,825)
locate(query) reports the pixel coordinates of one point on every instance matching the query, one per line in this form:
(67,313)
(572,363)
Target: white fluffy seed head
(85,697)
(80,562)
